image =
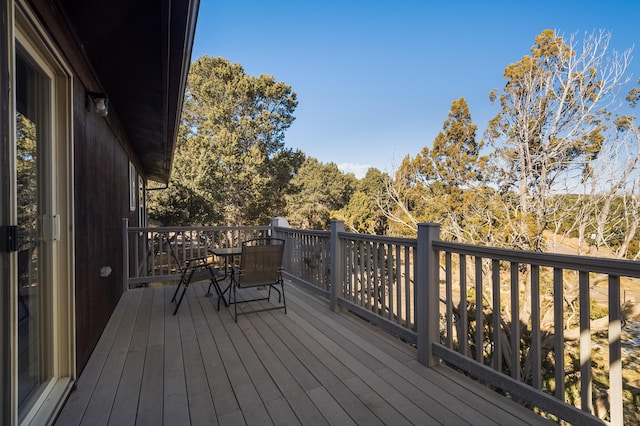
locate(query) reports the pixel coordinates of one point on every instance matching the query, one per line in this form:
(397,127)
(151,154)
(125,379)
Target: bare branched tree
(553,124)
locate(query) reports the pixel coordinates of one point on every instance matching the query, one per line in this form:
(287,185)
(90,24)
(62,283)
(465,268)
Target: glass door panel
(32,137)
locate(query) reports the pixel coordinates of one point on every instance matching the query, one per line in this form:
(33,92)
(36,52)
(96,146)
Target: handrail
(622,267)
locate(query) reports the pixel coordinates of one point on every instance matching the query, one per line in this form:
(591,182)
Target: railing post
(337,264)
(427,292)
(277,222)
(125,253)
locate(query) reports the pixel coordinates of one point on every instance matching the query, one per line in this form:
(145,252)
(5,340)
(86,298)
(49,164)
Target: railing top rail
(303,231)
(353,236)
(616,267)
(199,228)
(412,242)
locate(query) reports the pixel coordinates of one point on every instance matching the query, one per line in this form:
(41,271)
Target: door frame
(23,28)
(7,275)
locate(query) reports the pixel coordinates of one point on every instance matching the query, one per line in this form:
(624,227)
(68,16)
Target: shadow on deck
(311,366)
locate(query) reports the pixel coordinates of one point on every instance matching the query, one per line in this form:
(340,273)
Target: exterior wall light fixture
(99,102)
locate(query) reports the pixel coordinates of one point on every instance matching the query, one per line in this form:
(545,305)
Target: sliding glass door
(41,198)
(33,137)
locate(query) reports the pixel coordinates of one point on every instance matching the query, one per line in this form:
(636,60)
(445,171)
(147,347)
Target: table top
(226,251)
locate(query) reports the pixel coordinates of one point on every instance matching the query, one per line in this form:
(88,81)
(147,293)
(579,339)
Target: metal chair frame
(193,270)
(260,266)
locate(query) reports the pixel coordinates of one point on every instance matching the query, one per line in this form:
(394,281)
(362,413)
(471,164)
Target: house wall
(101,197)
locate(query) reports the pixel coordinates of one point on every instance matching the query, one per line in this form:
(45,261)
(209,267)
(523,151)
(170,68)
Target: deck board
(101,402)
(150,401)
(201,408)
(310,367)
(325,367)
(125,404)
(76,404)
(175,403)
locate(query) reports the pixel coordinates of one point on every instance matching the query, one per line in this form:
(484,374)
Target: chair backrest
(261,262)
(169,244)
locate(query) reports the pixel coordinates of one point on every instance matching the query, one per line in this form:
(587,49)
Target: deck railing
(153,254)
(375,274)
(502,316)
(307,258)
(526,302)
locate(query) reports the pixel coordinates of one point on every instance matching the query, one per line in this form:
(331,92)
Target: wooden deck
(311,366)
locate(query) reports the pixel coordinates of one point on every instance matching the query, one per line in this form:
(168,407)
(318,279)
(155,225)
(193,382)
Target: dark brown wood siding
(101,201)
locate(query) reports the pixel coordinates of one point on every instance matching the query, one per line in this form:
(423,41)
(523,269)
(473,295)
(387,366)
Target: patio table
(229,254)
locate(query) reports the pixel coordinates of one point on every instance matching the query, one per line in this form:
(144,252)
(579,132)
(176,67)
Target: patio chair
(191,271)
(260,266)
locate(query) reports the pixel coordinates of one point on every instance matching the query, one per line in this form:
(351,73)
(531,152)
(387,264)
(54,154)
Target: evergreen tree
(231,166)
(363,213)
(320,191)
(435,185)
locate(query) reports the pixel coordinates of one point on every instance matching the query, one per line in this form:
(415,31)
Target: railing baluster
(615,352)
(367,274)
(558,329)
(382,280)
(348,282)
(151,253)
(160,251)
(398,286)
(407,289)
(449,298)
(183,246)
(536,373)
(145,259)
(463,340)
(515,321)
(125,254)
(136,255)
(361,289)
(390,281)
(381,275)
(497,314)
(375,271)
(585,343)
(479,312)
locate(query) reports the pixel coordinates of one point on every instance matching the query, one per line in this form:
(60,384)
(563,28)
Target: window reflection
(33,335)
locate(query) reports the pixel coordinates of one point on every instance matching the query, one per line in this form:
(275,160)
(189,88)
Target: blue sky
(375,80)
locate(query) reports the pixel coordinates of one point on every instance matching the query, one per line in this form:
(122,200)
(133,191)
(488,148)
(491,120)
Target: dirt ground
(629,288)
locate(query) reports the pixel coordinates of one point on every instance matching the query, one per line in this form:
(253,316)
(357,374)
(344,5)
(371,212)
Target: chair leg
(235,303)
(175,293)
(216,285)
(184,290)
(214,282)
(219,296)
(284,301)
(271,286)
